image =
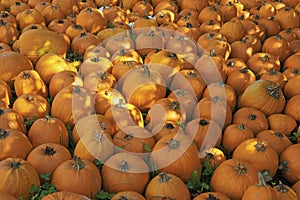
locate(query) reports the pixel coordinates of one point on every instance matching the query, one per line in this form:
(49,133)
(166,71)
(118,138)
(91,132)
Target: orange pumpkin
(22,173)
(211,195)
(10,119)
(65,195)
(282,123)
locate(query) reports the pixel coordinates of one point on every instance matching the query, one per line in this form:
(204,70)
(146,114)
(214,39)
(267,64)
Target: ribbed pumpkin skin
(64,195)
(35,43)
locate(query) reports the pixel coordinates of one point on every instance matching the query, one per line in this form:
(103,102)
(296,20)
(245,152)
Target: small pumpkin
(291,108)
(211,196)
(131,170)
(167,186)
(10,119)
(282,123)
(285,192)
(65,195)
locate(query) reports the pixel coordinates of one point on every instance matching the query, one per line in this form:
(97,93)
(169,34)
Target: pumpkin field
(149,99)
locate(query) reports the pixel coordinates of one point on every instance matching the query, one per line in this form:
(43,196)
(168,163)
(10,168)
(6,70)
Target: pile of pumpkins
(150,89)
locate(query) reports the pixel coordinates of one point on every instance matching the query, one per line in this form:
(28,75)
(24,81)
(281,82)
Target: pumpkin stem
(215,99)
(173,144)
(99,136)
(151,33)
(181,92)
(2,111)
(169,126)
(212,197)
(241,169)
(274,91)
(273,72)
(103,126)
(203,122)
(77,26)
(84,34)
(29,98)
(192,73)
(120,103)
(15,165)
(260,146)
(211,22)
(265,58)
(163,177)
(60,21)
(252,117)
(189,25)
(95,59)
(3,134)
(48,118)
(49,151)
(129,136)
(146,71)
(283,165)
(78,164)
(212,53)
(102,75)
(278,135)
(282,188)
(261,180)
(172,55)
(242,126)
(26,74)
(124,166)
(4,14)
(76,90)
(174,105)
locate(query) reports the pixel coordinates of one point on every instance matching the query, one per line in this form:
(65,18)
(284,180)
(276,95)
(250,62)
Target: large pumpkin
(17,177)
(79,176)
(65,195)
(263,95)
(35,43)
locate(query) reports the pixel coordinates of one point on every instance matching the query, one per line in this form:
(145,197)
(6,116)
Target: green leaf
(98,164)
(147,147)
(293,137)
(104,195)
(45,176)
(34,189)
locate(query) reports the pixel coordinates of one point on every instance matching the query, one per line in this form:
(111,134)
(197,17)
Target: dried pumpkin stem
(282,188)
(99,136)
(261,180)
(252,117)
(277,134)
(49,151)
(15,165)
(283,165)
(192,73)
(241,169)
(78,163)
(260,146)
(163,177)
(169,126)
(173,144)
(129,136)
(212,197)
(146,72)
(3,134)
(174,105)
(124,166)
(242,126)
(274,91)
(203,122)
(102,75)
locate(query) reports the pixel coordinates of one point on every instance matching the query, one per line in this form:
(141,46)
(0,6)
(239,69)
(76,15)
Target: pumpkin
(240,79)
(67,6)
(8,17)
(291,88)
(72,103)
(116,14)
(65,195)
(211,196)
(257,151)
(204,132)
(214,108)
(94,64)
(104,99)
(263,95)
(99,80)
(289,160)
(260,191)
(30,16)
(45,158)
(59,25)
(105,34)
(12,63)
(185,4)
(4,47)
(233,177)
(276,77)
(74,30)
(119,41)
(54,131)
(31,106)
(127,195)
(210,12)
(126,55)
(85,4)
(289,15)
(235,64)
(124,114)
(96,51)
(14,144)
(282,123)
(233,31)
(50,64)
(63,79)
(291,109)
(295,187)
(167,186)
(91,19)
(210,26)
(18,176)
(143,87)
(186,99)
(5,92)
(277,140)
(7,196)
(176,154)
(134,139)
(40,6)
(86,178)
(277,46)
(52,12)
(41,42)
(10,119)
(10,32)
(214,156)
(30,82)
(166,128)
(147,41)
(285,192)
(165,16)
(235,134)
(131,170)
(193,82)
(253,118)
(165,109)
(84,41)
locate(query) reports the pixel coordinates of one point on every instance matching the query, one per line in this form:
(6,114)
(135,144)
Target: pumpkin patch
(149,99)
